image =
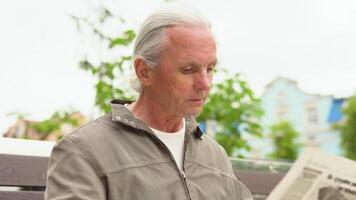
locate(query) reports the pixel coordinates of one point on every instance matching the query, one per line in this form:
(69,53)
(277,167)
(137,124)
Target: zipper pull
(183,174)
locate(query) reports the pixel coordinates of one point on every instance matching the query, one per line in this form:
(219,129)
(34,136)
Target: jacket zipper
(186,140)
(181,172)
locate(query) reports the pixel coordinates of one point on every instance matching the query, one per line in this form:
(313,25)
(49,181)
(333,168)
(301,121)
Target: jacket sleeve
(72,175)
(241,191)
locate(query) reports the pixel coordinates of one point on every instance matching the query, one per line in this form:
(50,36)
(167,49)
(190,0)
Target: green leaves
(348,129)
(55,122)
(285,141)
(237,111)
(109,73)
(105,92)
(126,39)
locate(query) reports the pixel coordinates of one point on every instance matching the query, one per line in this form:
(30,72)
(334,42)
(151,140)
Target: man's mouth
(198,100)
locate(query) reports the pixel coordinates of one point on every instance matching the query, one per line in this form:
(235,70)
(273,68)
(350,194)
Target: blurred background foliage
(109,72)
(348,129)
(232,104)
(234,107)
(285,141)
(55,123)
(55,127)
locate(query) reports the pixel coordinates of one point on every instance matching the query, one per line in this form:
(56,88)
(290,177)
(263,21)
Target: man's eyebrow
(197,65)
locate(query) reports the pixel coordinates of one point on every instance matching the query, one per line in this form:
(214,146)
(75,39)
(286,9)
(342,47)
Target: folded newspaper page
(318,176)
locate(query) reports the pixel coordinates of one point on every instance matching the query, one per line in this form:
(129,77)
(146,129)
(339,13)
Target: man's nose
(203,81)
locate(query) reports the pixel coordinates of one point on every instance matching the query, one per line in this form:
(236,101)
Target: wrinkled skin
(179,85)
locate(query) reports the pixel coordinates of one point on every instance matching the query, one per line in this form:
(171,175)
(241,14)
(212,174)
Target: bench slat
(23,171)
(21,195)
(259,182)
(18,170)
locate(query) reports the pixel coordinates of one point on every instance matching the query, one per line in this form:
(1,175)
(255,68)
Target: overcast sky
(310,41)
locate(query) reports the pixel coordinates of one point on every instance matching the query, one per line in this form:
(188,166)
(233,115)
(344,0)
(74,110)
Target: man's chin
(194,113)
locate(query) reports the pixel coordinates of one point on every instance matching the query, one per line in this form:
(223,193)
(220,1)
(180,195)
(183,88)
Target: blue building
(312,115)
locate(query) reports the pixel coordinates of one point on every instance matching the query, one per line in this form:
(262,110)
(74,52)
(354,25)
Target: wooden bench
(260,184)
(27,175)
(26,172)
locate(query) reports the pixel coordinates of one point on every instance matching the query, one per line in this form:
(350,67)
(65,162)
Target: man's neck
(153,115)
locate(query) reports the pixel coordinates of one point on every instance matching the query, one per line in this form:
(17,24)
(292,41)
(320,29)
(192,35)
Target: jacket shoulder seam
(84,151)
(213,169)
(120,170)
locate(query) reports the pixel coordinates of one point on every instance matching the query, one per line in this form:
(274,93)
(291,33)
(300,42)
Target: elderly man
(152,149)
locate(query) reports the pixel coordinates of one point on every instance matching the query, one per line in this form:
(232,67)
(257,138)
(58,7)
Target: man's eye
(211,69)
(187,70)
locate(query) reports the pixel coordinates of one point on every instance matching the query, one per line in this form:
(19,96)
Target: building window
(312,116)
(281,106)
(281,98)
(282,113)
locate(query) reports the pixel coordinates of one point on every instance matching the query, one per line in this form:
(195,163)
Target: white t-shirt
(174,142)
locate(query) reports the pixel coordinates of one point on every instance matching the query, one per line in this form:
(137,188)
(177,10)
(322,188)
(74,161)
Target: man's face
(182,80)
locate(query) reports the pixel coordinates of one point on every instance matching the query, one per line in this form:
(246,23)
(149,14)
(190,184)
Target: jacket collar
(122,114)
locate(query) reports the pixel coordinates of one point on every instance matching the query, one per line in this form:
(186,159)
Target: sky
(310,41)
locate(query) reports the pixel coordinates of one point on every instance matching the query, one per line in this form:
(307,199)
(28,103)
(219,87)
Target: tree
(232,103)
(236,110)
(348,129)
(113,65)
(53,128)
(54,124)
(284,138)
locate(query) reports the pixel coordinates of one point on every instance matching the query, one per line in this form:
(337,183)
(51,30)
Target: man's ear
(143,71)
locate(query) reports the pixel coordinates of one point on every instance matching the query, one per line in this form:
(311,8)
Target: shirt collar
(122,114)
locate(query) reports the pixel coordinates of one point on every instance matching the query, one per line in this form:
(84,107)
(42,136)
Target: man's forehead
(190,39)
(185,32)
(189,44)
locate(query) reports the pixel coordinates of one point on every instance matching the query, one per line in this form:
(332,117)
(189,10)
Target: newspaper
(318,176)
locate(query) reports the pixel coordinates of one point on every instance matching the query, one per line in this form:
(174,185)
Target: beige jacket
(117,157)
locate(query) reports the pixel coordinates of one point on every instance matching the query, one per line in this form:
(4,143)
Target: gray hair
(151,39)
